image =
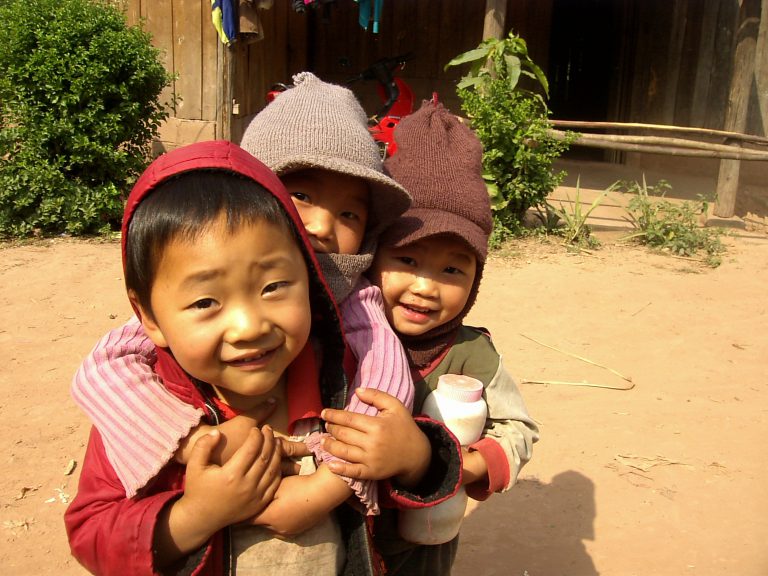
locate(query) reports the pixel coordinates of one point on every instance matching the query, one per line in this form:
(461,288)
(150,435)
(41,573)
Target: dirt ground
(666,478)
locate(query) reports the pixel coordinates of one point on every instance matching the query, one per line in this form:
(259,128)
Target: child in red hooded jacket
(222,275)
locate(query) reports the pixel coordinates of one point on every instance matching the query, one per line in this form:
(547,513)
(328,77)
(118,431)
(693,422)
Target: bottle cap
(460,388)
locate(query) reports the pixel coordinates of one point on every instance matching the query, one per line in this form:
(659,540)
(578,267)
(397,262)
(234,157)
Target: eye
(273,287)
(350,216)
(453,270)
(203,304)
(301,197)
(406,260)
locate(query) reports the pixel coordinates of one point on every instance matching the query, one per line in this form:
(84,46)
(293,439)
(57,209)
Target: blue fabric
(364,15)
(224,16)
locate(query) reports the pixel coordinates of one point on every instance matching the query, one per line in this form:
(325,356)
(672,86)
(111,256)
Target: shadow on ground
(536,529)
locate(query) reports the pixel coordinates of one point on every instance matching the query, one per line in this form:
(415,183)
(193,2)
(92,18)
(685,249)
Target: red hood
(224,155)
(217,154)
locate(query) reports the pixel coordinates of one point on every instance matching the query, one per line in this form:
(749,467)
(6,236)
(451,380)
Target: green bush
(513,124)
(78,110)
(672,227)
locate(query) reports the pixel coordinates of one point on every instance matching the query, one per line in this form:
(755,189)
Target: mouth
(419,314)
(253,360)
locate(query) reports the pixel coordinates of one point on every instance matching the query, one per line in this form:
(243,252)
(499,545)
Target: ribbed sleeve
(381,364)
(140,422)
(381,360)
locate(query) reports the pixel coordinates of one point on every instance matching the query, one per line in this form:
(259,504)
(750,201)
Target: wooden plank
(209,51)
(738,104)
(704,64)
(187,58)
(460,30)
(132,11)
(761,68)
(159,23)
(665,146)
(686,75)
(295,32)
(265,63)
(532,21)
(224,93)
(241,84)
(672,59)
(179,131)
(720,134)
(722,65)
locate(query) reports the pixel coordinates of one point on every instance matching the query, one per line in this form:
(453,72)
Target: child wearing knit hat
(429,265)
(314,136)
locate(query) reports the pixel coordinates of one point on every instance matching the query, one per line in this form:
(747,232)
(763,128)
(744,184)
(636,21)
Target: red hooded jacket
(112,534)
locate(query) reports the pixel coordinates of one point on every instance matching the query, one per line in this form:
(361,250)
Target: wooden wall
(334,46)
(182,30)
(433,32)
(682,61)
(666,61)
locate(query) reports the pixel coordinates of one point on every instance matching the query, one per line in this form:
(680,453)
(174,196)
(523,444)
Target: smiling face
(233,307)
(333,208)
(424,284)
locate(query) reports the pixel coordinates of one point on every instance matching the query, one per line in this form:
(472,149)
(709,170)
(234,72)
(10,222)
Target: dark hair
(182,207)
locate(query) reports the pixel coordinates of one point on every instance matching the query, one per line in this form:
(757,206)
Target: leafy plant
(78,110)
(670,226)
(574,228)
(512,123)
(495,59)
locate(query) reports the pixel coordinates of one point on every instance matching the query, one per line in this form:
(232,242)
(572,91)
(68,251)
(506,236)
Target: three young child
(428,267)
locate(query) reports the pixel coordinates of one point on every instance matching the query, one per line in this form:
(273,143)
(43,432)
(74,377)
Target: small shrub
(78,110)
(512,123)
(571,223)
(669,226)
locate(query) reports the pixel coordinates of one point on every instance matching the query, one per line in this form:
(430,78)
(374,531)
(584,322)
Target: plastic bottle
(458,402)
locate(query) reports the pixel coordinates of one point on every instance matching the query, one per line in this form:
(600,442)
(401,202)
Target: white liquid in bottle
(458,402)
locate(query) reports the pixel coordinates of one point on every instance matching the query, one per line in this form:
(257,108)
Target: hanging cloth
(224,16)
(364,17)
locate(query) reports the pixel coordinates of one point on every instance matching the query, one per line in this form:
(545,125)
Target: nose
(246,323)
(319,224)
(424,286)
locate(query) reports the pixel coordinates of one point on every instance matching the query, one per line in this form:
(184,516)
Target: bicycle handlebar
(383,72)
(383,69)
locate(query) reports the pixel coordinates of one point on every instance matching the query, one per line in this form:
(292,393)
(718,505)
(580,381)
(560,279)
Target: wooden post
(495,19)
(761,67)
(224,92)
(738,103)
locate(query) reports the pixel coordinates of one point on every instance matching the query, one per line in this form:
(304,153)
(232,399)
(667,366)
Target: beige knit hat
(320,125)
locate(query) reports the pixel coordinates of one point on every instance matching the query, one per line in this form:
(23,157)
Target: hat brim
(388,199)
(420,223)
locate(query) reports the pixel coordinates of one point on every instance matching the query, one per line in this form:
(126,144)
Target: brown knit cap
(320,125)
(439,161)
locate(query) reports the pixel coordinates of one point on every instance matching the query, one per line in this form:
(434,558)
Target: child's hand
(377,447)
(235,431)
(290,450)
(474,467)
(217,496)
(239,489)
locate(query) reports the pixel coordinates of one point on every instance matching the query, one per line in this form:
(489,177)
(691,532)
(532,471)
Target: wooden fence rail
(729,147)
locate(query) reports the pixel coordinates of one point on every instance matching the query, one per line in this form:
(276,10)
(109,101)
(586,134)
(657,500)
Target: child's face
(233,307)
(424,284)
(333,208)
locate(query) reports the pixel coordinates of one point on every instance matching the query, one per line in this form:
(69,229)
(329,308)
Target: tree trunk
(495,16)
